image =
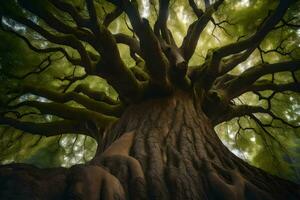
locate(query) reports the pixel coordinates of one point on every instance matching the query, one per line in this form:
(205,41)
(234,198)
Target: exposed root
(230,184)
(26,182)
(93,183)
(127,169)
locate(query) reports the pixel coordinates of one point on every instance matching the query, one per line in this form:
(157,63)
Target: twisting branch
(253,41)
(288,24)
(198,12)
(156,62)
(132,42)
(68,112)
(74,61)
(42,66)
(177,62)
(241,83)
(139,73)
(71,10)
(243,110)
(68,40)
(20,115)
(91,104)
(93,16)
(269,134)
(294,87)
(55,23)
(111,65)
(279,49)
(231,62)
(71,80)
(237,111)
(195,29)
(207,4)
(97,95)
(47,129)
(219,25)
(110,17)
(160,26)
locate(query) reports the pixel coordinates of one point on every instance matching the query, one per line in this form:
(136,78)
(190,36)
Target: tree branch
(242,110)
(55,23)
(47,129)
(129,41)
(230,63)
(190,41)
(117,74)
(68,40)
(241,83)
(294,87)
(237,111)
(91,104)
(198,12)
(45,50)
(156,61)
(97,95)
(68,112)
(110,17)
(160,26)
(111,67)
(93,16)
(72,11)
(42,66)
(253,41)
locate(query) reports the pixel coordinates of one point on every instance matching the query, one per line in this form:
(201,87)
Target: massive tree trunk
(163,146)
(167,149)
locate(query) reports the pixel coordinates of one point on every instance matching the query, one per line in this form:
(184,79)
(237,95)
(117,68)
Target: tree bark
(167,149)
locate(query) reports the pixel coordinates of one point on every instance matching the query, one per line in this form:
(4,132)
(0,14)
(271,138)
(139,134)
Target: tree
(156,140)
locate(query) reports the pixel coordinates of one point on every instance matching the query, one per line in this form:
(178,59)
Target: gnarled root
(129,171)
(26,182)
(229,184)
(125,168)
(93,183)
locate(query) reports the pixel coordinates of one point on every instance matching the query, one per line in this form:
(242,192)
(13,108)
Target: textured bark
(167,149)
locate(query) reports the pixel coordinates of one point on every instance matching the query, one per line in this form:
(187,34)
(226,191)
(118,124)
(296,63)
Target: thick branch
(97,95)
(198,12)
(112,67)
(110,17)
(91,104)
(71,10)
(46,50)
(241,83)
(68,40)
(230,63)
(294,87)
(42,66)
(237,111)
(57,24)
(195,29)
(93,16)
(160,27)
(129,41)
(156,61)
(68,112)
(254,40)
(47,129)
